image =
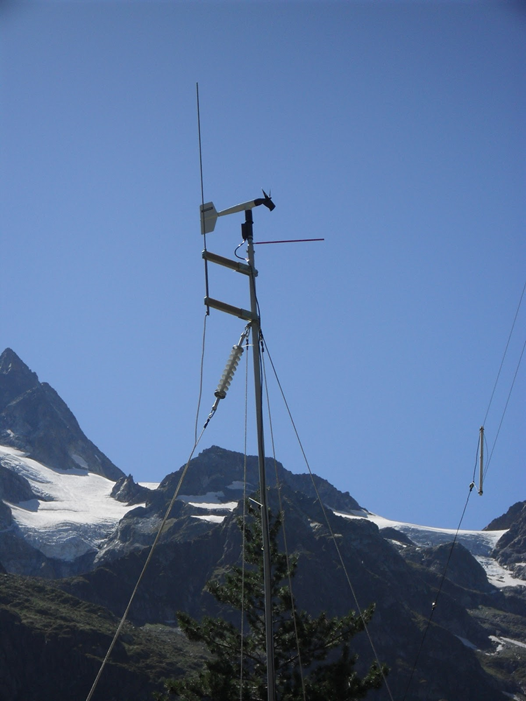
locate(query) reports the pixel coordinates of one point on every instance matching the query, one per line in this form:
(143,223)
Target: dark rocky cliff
(52,645)
(511,548)
(35,420)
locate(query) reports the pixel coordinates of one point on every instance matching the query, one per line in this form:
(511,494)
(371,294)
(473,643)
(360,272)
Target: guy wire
(284,531)
(504,355)
(145,567)
(329,527)
(439,591)
(505,408)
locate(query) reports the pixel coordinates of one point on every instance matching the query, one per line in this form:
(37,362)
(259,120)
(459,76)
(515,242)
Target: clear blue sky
(395,130)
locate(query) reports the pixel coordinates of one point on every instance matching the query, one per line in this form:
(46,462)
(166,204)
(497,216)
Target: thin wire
(284,530)
(435,602)
(236,250)
(505,408)
(504,355)
(145,567)
(342,563)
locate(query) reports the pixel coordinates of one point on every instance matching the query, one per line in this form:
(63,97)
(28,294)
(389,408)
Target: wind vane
(209,215)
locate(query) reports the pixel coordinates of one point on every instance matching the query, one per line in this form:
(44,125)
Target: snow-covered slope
(211,503)
(73,511)
(479,543)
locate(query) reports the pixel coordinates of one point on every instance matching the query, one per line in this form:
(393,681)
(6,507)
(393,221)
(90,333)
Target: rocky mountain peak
(515,513)
(15,377)
(35,420)
(10,362)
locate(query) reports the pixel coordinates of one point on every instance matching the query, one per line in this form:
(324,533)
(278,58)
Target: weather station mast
(209,216)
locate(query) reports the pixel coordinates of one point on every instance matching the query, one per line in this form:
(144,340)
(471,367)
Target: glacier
(73,512)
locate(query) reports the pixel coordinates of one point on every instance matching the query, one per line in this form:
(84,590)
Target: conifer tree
(316,648)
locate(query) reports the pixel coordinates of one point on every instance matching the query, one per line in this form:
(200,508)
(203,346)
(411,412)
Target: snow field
(73,513)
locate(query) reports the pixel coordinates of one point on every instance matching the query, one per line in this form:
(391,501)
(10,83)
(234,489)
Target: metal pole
(267,564)
(481,476)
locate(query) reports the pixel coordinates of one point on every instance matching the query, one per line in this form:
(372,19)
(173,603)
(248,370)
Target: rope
(145,567)
(340,557)
(282,511)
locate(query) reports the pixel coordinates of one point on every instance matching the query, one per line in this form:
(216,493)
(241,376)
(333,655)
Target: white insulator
(228,373)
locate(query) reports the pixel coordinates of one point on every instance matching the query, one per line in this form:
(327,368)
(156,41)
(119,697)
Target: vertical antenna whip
(207,313)
(202,191)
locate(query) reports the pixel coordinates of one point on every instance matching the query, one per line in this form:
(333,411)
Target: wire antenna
(260,243)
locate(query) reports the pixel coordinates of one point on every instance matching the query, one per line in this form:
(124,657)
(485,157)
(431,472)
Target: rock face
(15,378)
(35,420)
(13,487)
(462,568)
(513,514)
(52,644)
(511,548)
(128,491)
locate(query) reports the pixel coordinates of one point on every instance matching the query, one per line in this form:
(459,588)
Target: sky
(393,130)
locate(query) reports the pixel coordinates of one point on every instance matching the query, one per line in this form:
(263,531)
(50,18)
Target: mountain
(53,479)
(87,531)
(35,420)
